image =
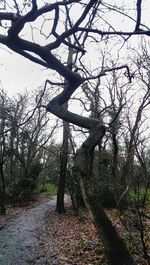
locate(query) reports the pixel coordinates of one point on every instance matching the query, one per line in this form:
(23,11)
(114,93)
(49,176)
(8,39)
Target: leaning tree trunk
(114,245)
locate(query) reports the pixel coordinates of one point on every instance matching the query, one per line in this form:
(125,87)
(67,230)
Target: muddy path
(23,238)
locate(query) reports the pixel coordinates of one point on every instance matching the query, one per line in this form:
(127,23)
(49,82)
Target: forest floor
(36,234)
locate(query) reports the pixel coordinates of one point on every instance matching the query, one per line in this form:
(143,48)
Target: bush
(24,188)
(107,196)
(138,197)
(22,191)
(48,189)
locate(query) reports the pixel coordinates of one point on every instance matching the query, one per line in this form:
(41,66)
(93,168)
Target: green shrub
(24,188)
(138,197)
(49,189)
(107,196)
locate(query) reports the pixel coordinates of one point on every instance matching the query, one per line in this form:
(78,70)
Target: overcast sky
(18,73)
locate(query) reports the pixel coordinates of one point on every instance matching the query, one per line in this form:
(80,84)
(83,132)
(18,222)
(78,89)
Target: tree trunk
(127,173)
(2,191)
(60,207)
(115,164)
(114,245)
(63,167)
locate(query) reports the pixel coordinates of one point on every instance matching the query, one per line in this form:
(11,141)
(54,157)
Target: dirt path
(22,239)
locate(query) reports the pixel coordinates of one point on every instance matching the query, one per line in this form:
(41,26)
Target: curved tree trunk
(114,245)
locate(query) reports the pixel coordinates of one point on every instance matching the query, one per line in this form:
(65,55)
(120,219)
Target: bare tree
(3,148)
(23,136)
(80,30)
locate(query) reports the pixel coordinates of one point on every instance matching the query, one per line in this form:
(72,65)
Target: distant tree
(4,148)
(50,165)
(60,207)
(23,136)
(143,178)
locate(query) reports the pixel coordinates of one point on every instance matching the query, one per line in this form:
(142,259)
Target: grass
(49,189)
(139,196)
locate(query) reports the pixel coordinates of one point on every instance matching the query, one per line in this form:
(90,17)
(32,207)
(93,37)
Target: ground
(23,235)
(36,234)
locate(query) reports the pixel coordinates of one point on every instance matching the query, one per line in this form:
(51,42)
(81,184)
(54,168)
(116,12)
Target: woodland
(85,131)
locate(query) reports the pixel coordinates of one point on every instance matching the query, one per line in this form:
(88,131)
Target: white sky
(17,73)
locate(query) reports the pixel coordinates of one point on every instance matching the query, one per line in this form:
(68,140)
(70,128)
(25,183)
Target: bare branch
(54,83)
(138,20)
(7,16)
(21,21)
(103,73)
(123,33)
(31,115)
(17,7)
(74,29)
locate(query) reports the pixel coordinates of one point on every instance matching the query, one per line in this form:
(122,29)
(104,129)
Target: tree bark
(115,164)
(117,253)
(2,191)
(114,245)
(60,207)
